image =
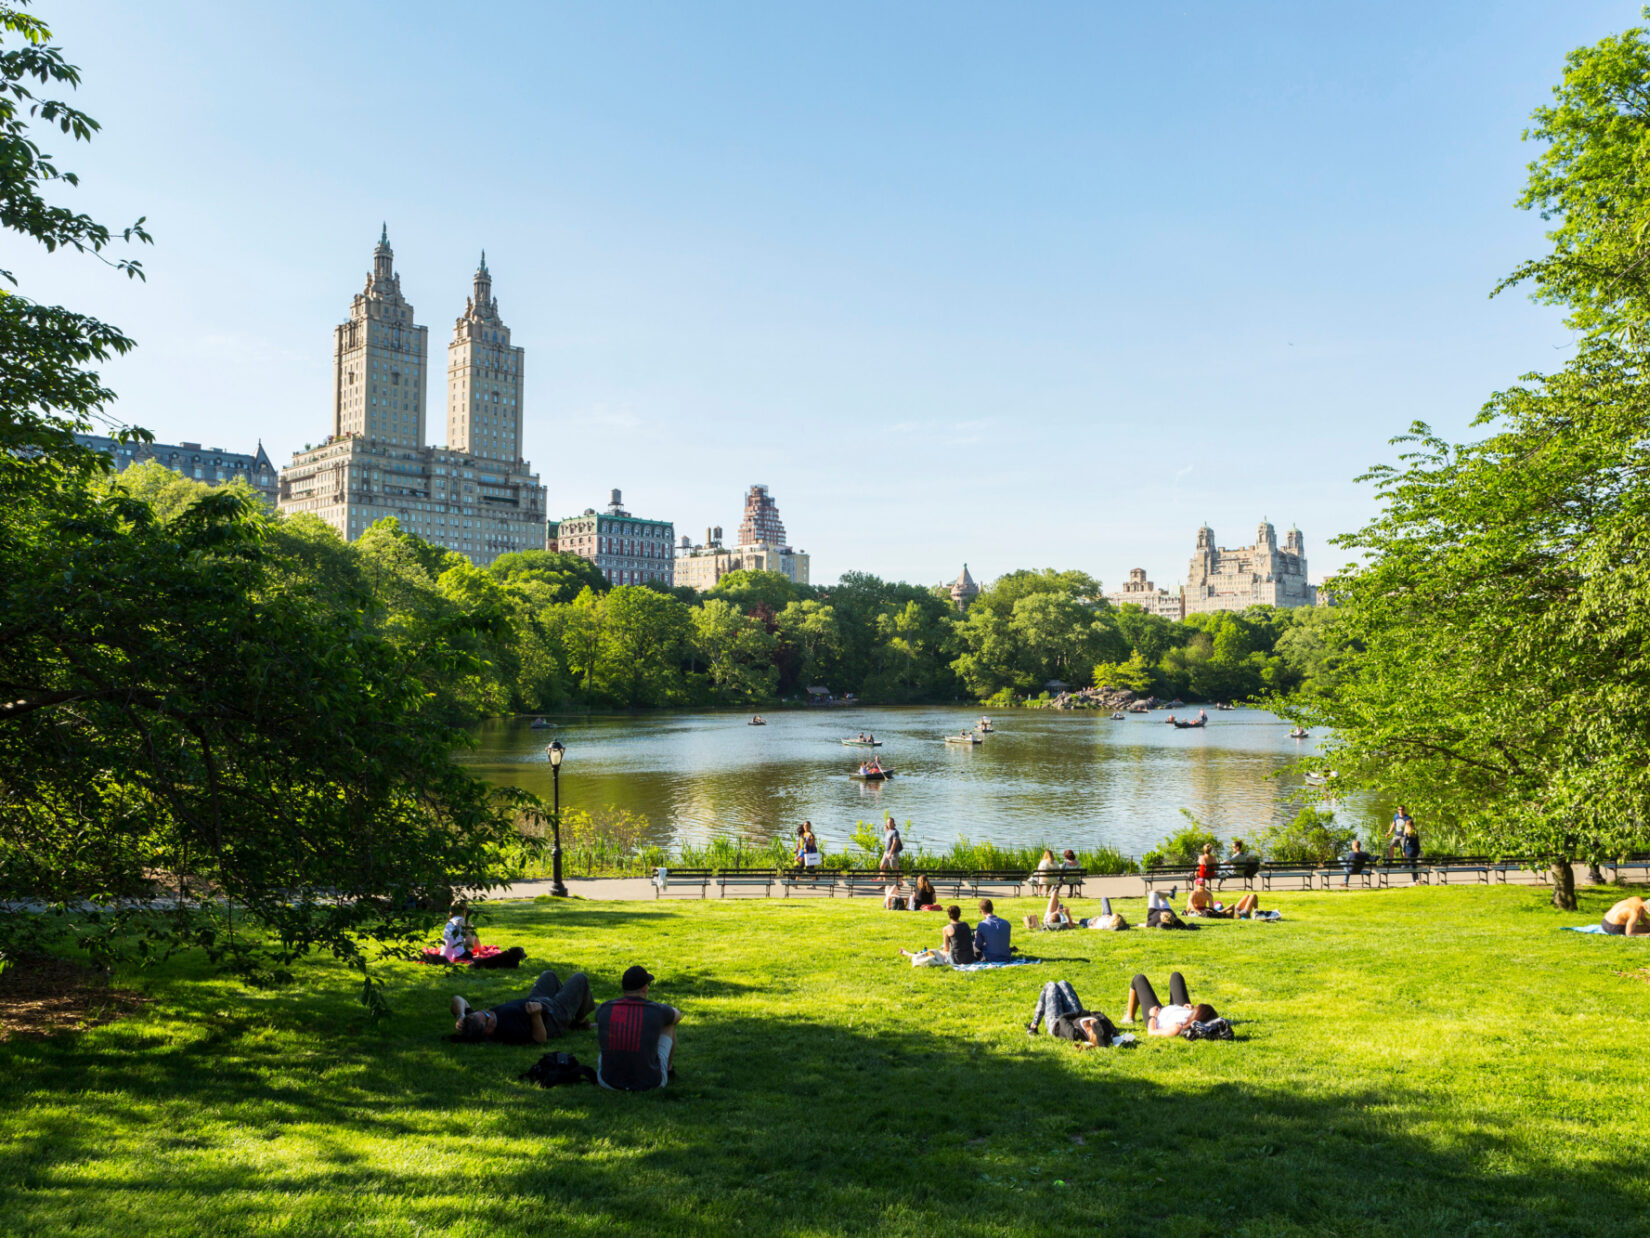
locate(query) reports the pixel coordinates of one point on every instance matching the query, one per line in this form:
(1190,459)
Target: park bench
(1047,880)
(818,880)
(1397,866)
(1274,870)
(667,880)
(1365,876)
(1246,871)
(863,881)
(1626,864)
(1477,866)
(1168,874)
(746,879)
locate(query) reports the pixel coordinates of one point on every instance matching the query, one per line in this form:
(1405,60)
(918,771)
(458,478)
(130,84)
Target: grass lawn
(1408,1062)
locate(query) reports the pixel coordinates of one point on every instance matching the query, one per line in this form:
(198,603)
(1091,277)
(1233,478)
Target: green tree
(1590,183)
(643,634)
(1134,675)
(737,650)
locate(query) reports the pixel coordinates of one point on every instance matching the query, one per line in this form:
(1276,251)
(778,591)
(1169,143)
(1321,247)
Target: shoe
(1172,891)
(458,1006)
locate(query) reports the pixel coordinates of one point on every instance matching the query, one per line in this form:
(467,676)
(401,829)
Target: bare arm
(535,1012)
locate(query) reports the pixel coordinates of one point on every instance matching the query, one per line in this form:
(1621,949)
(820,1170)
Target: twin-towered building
(476,494)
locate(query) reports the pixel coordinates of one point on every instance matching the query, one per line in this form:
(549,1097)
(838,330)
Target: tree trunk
(1564,886)
(1594,876)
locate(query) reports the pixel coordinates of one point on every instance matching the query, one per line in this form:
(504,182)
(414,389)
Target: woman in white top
(1161,1020)
(1055,916)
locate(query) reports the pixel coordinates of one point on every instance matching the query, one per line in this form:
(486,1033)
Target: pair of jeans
(1147,996)
(564,1004)
(1056,999)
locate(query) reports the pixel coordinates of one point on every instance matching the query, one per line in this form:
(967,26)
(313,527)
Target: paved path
(621,889)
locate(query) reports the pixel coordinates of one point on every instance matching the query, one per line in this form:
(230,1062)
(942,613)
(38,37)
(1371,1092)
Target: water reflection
(1042,778)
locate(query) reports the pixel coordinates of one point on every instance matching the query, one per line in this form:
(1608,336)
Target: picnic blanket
(484,957)
(1587,928)
(991,966)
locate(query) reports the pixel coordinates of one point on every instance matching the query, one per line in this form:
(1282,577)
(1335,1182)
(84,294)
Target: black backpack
(554,1069)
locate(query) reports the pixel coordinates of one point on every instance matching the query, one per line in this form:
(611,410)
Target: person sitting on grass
(1055,916)
(549,1010)
(1179,1018)
(991,935)
(1199,902)
(458,939)
(956,940)
(923,898)
(893,895)
(636,1038)
(1628,918)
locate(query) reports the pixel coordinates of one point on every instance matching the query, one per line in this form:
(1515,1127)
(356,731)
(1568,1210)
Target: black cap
(635,978)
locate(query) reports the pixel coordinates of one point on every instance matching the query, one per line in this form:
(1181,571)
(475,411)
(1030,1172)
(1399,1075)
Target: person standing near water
(892,845)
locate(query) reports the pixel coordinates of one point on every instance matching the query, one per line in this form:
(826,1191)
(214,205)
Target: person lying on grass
(636,1038)
(1086,1029)
(956,939)
(1628,918)
(549,1010)
(1180,1017)
(1055,916)
(1199,902)
(893,895)
(1107,919)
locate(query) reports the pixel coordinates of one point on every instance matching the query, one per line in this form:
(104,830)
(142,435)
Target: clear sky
(1018,284)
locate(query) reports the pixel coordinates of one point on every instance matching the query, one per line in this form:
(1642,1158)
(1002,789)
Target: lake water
(1042,778)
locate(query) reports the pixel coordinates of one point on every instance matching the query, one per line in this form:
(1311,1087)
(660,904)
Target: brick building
(627,549)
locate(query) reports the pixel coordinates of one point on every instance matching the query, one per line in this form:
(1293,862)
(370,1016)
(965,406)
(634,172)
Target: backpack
(1214,1029)
(555,1069)
(899,843)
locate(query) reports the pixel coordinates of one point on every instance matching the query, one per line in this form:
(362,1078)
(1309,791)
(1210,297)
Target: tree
(203,720)
(643,632)
(1495,657)
(1134,675)
(1590,182)
(738,652)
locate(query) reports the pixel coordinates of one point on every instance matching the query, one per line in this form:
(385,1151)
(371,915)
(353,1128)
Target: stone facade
(476,495)
(628,550)
(1143,593)
(213,465)
(762,548)
(964,590)
(1220,578)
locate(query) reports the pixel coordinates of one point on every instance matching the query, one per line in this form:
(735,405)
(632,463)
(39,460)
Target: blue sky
(1022,285)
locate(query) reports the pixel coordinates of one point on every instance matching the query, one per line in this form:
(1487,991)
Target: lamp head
(554,752)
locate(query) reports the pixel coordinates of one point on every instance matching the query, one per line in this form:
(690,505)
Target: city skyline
(1036,294)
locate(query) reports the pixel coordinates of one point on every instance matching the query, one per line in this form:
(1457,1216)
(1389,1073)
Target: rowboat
(862,743)
(966,740)
(539,724)
(757,722)
(1298,733)
(1119,717)
(876,775)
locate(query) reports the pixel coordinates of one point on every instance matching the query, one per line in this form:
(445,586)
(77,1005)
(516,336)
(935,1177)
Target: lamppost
(555,752)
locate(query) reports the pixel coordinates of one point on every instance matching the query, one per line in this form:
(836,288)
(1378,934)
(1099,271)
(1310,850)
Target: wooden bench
(1365,874)
(1626,864)
(817,880)
(1245,872)
(1047,880)
(865,881)
(746,879)
(686,878)
(1271,871)
(1168,874)
(1473,865)
(1386,870)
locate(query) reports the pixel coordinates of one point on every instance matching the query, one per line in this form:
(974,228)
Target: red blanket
(432,954)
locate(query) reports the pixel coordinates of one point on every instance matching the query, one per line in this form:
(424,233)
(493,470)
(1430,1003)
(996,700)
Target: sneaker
(458,1006)
(1031,1029)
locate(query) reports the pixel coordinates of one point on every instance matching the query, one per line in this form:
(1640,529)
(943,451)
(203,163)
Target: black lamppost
(555,752)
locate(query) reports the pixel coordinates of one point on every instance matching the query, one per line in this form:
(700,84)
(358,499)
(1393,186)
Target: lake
(1043,777)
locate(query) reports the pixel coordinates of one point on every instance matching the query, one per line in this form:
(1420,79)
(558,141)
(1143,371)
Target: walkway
(620,889)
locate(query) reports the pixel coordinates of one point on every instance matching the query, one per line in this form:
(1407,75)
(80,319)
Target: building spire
(384,233)
(484,260)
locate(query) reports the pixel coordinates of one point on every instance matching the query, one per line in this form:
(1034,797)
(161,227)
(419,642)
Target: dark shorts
(1615,930)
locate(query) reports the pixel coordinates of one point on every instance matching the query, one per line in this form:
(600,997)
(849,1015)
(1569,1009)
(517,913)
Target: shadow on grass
(773,1127)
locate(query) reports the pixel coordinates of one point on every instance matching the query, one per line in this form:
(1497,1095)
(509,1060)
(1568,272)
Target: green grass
(1409,1062)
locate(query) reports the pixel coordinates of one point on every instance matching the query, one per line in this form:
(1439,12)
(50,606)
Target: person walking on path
(1412,848)
(549,1010)
(892,845)
(1395,832)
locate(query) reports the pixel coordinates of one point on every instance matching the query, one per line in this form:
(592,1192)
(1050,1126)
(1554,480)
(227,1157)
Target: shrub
(1184,845)
(1313,837)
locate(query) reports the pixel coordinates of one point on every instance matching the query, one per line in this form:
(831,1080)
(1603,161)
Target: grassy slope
(1410,1062)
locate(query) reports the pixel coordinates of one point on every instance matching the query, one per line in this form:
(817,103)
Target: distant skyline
(964,282)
